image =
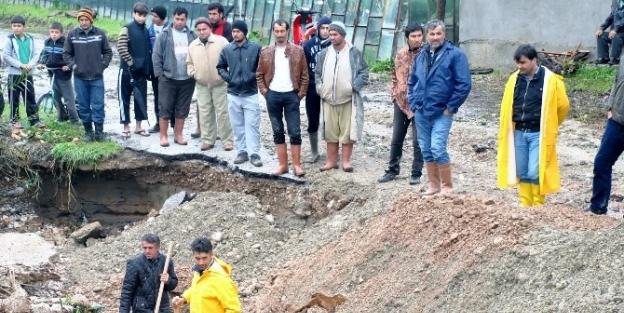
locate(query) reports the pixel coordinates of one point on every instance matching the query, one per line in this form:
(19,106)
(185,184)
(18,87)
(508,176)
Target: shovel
(162,283)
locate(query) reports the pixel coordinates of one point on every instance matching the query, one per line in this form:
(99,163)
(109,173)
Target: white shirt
(281,79)
(158,29)
(180,40)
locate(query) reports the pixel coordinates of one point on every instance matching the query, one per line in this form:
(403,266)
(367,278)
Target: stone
(5,221)
(173,202)
(216,236)
(88,231)
(40,308)
(18,191)
(303,209)
(270,218)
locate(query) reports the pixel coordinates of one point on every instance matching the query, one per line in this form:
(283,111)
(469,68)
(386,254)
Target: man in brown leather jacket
(282,77)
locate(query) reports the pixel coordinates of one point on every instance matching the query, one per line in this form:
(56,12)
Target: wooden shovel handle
(162,283)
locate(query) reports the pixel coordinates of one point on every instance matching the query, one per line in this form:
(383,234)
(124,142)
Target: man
(218,23)
(340,75)
(135,52)
(237,66)
(175,86)
(159,22)
(212,289)
(283,81)
(311,48)
(211,90)
(88,53)
(144,273)
(611,147)
(615,37)
(438,86)
(402,114)
(534,106)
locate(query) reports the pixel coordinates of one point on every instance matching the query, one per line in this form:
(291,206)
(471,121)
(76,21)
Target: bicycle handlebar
(305,12)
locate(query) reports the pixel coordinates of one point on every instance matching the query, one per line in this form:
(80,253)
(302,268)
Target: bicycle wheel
(46,103)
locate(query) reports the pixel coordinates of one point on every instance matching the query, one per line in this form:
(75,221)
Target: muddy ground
(382,246)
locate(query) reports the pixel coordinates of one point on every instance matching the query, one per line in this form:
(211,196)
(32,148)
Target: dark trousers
(65,100)
(611,147)
(616,46)
(175,97)
(282,105)
(400,126)
(21,88)
(313,109)
(1,103)
(126,90)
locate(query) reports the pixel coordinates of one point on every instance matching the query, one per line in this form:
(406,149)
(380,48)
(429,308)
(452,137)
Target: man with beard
(217,20)
(313,101)
(283,81)
(439,85)
(403,116)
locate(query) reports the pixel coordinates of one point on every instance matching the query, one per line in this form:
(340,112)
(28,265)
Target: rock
(488,202)
(89,231)
(173,201)
(216,236)
(18,302)
(90,242)
(302,209)
(18,191)
(5,221)
(270,218)
(40,308)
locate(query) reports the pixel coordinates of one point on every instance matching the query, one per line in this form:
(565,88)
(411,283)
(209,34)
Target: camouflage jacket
(403,63)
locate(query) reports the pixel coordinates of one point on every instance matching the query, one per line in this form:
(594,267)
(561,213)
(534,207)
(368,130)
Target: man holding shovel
(143,277)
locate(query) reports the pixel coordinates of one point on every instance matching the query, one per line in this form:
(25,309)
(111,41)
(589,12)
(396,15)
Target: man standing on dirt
(439,85)
(534,105)
(212,289)
(174,84)
(159,22)
(403,116)
(88,53)
(340,75)
(311,48)
(283,81)
(144,273)
(237,66)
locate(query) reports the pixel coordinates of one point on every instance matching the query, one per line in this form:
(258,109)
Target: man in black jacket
(143,277)
(237,66)
(615,37)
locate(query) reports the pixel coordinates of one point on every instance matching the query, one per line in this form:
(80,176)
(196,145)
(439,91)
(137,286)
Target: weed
(382,66)
(76,153)
(597,80)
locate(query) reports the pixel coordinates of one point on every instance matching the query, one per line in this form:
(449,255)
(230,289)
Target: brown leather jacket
(403,63)
(298,69)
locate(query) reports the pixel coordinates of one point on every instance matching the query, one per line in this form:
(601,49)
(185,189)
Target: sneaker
(255,160)
(18,125)
(39,124)
(241,158)
(414,180)
(388,176)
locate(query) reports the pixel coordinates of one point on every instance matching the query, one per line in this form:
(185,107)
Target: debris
(563,63)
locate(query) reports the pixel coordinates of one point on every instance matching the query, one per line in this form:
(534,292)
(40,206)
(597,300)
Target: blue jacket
(152,33)
(445,85)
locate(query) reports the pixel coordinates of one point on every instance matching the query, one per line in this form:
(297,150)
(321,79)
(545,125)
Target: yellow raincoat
(213,291)
(555,106)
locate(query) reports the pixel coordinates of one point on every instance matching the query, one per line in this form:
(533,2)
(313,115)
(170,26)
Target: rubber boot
(177,132)
(525,192)
(314,154)
(347,151)
(433,176)
(447,180)
(332,157)
(164,127)
(282,157)
(295,150)
(88,137)
(99,132)
(538,198)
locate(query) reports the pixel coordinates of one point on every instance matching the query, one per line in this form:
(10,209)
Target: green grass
(382,66)
(39,19)
(74,154)
(596,80)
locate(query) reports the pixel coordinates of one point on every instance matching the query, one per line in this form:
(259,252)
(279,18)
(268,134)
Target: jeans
(126,90)
(22,86)
(65,100)
(527,156)
(245,121)
(433,132)
(313,109)
(616,46)
(400,126)
(611,147)
(90,99)
(282,105)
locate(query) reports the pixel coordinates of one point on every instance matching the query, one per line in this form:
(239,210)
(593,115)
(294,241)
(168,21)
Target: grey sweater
(10,55)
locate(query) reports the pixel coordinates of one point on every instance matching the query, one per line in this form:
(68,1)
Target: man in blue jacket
(439,85)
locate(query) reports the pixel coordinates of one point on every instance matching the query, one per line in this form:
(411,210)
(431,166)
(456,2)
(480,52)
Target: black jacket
(141,284)
(615,20)
(87,52)
(52,57)
(237,66)
(527,102)
(311,48)
(137,48)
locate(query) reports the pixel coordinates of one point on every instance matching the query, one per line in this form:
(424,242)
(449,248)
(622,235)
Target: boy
(20,54)
(135,51)
(60,73)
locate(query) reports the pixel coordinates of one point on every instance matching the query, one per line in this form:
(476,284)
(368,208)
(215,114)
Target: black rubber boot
(99,132)
(88,137)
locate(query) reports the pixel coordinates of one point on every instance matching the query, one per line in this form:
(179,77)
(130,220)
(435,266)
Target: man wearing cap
(88,53)
(201,64)
(311,48)
(340,74)
(237,66)
(283,81)
(174,84)
(159,22)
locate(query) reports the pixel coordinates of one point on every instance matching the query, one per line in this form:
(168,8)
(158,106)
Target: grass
(74,154)
(39,19)
(596,80)
(382,66)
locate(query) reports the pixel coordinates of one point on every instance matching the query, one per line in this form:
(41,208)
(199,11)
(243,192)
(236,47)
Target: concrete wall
(491,30)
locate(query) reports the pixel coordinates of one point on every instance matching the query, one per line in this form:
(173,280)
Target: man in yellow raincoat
(212,289)
(534,106)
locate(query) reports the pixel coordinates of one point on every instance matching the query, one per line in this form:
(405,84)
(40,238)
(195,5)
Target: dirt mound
(413,252)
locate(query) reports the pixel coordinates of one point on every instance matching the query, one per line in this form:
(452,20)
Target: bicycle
(46,101)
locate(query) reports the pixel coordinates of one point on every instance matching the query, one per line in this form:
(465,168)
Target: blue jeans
(245,121)
(433,132)
(611,147)
(527,156)
(90,99)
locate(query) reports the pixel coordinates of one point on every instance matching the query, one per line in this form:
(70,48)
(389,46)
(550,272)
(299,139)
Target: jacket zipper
(335,79)
(524,100)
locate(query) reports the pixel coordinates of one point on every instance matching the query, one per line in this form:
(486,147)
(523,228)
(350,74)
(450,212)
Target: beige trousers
(213,113)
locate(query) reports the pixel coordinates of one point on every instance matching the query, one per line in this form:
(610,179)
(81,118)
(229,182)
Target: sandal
(125,134)
(142,132)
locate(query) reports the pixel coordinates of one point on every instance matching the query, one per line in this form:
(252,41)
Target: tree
(440,9)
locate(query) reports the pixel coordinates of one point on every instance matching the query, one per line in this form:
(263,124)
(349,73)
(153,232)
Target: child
(52,57)
(21,56)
